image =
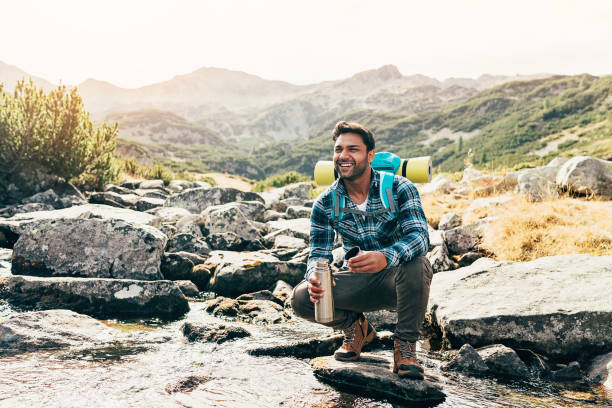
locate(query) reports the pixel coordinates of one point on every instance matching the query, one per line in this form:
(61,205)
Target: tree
(460,145)
(53,131)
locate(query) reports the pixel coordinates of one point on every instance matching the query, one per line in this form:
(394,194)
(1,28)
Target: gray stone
(146,203)
(179,185)
(116,189)
(465,238)
(371,376)
(253,210)
(161,194)
(169,214)
(469,258)
(46,197)
(383,319)
(229,229)
(258,311)
(298,212)
(467,361)
(449,221)
(190,224)
(271,215)
(439,185)
(299,227)
(151,184)
(187,287)
(188,243)
(261,295)
(197,200)
(187,384)
(114,199)
(571,372)
(89,248)
(24,208)
(285,241)
(52,329)
(440,259)
(236,273)
(131,184)
(558,306)
(282,290)
(503,361)
(600,370)
(297,190)
(216,333)
(435,237)
(586,175)
(183,266)
(536,187)
(101,298)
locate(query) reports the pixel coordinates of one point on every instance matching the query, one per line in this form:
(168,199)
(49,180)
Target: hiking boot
(405,363)
(356,336)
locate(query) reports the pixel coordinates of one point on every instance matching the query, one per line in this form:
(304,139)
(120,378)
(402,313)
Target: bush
(279,180)
(54,131)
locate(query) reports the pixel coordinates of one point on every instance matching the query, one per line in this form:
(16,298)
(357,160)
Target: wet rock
(102,298)
(298,212)
(252,311)
(440,259)
(282,290)
(322,346)
(467,361)
(229,229)
(188,243)
(563,310)
(299,227)
(89,248)
(187,384)
(147,203)
(261,295)
(465,238)
(283,254)
(571,372)
(371,376)
(151,184)
(52,329)
(187,287)
(235,273)
(503,361)
(600,370)
(449,221)
(216,333)
(185,266)
(586,175)
(197,200)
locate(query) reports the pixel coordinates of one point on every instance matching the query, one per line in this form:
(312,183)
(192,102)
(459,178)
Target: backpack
(388,164)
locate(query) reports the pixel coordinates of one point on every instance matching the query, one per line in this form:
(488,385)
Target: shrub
(54,131)
(279,180)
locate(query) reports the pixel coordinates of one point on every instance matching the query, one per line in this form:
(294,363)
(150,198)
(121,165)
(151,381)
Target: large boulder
(52,329)
(228,228)
(440,259)
(467,361)
(169,214)
(371,376)
(600,370)
(235,273)
(539,183)
(587,175)
(182,266)
(298,227)
(216,333)
(89,248)
(503,361)
(558,306)
(197,200)
(465,238)
(188,243)
(17,185)
(101,298)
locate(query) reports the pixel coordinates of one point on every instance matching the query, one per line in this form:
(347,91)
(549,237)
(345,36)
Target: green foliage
(159,172)
(279,180)
(55,132)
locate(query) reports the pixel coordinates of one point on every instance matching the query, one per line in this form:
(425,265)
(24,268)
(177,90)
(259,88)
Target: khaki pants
(405,289)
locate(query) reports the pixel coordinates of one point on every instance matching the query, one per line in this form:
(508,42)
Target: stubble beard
(358,170)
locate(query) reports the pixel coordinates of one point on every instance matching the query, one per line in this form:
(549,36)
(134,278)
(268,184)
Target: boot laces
(407,349)
(349,333)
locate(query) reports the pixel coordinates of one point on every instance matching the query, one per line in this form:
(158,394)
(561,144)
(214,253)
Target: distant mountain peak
(384,73)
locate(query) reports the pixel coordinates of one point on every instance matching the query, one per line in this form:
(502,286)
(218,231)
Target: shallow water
(137,375)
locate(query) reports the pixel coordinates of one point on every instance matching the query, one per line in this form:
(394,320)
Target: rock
(214,333)
(440,259)
(5,262)
(298,212)
(571,372)
(252,311)
(188,243)
(503,361)
(52,329)
(46,197)
(101,298)
(465,238)
(89,248)
(261,295)
(236,273)
(467,361)
(15,186)
(600,370)
(297,190)
(114,199)
(229,229)
(435,237)
(190,224)
(146,203)
(132,184)
(169,214)
(180,185)
(116,189)
(371,376)
(299,227)
(282,290)
(197,200)
(558,306)
(317,347)
(185,266)
(24,208)
(271,215)
(469,258)
(382,319)
(283,254)
(285,241)
(187,384)
(439,185)
(449,221)
(586,175)
(187,287)
(537,185)
(253,210)
(151,184)
(475,179)
(168,230)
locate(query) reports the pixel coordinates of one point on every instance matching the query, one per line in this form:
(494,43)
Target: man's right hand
(315,290)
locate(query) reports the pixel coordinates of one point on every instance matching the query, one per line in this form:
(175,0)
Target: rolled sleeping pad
(416,169)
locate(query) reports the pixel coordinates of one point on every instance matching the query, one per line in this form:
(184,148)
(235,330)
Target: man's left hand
(367,262)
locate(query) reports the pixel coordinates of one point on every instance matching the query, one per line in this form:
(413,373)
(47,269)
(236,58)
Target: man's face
(350,156)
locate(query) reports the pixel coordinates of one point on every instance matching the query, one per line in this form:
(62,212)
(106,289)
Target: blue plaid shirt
(400,238)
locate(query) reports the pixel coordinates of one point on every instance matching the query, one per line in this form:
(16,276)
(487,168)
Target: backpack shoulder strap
(337,206)
(386,192)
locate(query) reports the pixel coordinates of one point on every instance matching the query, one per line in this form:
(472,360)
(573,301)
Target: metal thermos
(324,308)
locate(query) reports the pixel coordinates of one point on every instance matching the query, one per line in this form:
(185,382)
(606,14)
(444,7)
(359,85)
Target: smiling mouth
(345,165)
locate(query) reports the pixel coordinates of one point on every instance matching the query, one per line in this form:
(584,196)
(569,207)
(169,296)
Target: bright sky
(132,43)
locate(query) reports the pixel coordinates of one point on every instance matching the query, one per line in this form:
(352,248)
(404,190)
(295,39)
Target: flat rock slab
(371,376)
(197,200)
(52,329)
(101,298)
(558,306)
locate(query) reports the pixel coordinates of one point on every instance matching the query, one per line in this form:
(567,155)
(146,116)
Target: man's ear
(371,155)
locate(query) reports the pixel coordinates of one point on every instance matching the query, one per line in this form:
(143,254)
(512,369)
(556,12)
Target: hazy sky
(132,43)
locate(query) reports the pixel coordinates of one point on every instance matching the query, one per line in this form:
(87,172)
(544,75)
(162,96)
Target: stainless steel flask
(324,308)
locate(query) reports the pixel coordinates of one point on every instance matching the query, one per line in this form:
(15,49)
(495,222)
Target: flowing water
(137,375)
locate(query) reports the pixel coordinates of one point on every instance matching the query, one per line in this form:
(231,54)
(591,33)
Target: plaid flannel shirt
(400,238)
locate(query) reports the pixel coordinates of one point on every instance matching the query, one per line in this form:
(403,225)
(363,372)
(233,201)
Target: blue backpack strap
(337,206)
(385,161)
(386,192)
